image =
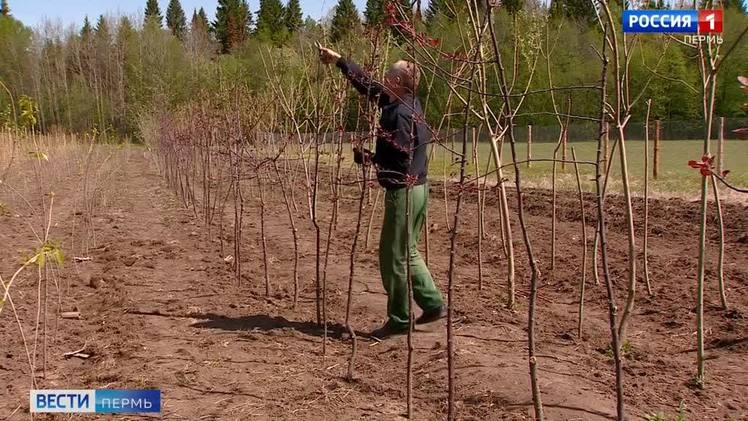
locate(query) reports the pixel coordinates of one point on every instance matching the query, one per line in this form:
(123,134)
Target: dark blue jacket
(403,136)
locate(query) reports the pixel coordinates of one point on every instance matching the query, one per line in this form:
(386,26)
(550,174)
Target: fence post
(529,145)
(721,146)
(656,158)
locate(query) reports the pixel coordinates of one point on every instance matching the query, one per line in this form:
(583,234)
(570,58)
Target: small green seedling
(48,252)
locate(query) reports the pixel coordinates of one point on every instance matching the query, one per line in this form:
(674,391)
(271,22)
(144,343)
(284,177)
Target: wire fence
(668,130)
(586,131)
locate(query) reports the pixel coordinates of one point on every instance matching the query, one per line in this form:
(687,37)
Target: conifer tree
(152,11)
(86,30)
(87,43)
(102,28)
(293,16)
(232,23)
(203,18)
(271,25)
(374,13)
(451,8)
(345,21)
(176,21)
(198,41)
(125,29)
(199,20)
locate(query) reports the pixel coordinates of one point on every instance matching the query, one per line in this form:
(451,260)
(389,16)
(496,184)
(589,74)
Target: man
(400,160)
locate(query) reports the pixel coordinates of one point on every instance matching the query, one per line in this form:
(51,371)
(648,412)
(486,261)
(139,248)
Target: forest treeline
(111,72)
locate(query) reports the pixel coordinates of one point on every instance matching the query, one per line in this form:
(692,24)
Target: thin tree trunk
(535,273)
(318,241)
(600,191)
(584,244)
(646,200)
(263,238)
(408,275)
(294,232)
(451,392)
(631,287)
(700,358)
(656,156)
(352,270)
(709,79)
(480,210)
(721,146)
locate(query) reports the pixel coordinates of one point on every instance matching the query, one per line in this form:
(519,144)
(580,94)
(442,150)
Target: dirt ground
(160,309)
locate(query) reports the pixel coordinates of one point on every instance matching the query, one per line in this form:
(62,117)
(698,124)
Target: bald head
(406,74)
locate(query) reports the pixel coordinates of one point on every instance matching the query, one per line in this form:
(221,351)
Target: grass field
(675,177)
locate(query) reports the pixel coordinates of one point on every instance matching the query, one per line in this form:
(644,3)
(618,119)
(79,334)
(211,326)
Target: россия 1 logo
(673,21)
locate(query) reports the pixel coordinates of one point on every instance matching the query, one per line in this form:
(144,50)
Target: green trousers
(393,255)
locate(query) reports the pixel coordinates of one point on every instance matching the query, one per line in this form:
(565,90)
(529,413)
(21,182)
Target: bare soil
(161,309)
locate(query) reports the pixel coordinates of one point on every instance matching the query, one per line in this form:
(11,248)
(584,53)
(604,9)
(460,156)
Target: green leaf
(49,252)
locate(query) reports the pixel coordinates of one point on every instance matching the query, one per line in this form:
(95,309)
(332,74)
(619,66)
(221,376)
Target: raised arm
(360,79)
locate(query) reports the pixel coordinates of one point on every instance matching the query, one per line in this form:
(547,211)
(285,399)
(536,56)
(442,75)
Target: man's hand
(326,55)
(361,156)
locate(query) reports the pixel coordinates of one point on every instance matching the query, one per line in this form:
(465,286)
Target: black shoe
(389,329)
(432,315)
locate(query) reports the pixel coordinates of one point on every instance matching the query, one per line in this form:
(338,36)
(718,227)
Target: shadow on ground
(266,323)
